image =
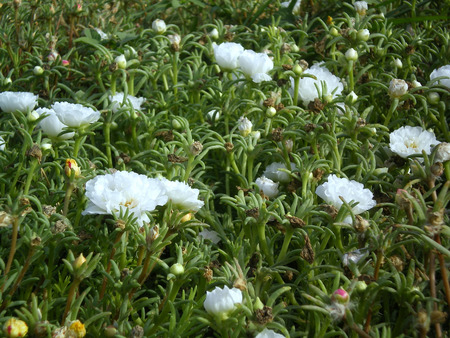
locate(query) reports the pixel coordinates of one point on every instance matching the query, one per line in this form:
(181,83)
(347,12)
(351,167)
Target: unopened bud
(14,327)
(334,32)
(72,168)
(110,331)
(121,61)
(363,35)
(340,296)
(398,63)
(351,98)
(351,55)
(79,261)
(271,112)
(214,34)
(433,98)
(38,70)
(177,269)
(187,217)
(298,70)
(159,26)
(258,304)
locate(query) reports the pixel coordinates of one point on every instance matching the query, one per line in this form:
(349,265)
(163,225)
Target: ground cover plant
(224,168)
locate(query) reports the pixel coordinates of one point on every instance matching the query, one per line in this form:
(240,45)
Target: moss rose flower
(113,193)
(350,190)
(256,65)
(51,125)
(75,115)
(220,302)
(408,140)
(266,333)
(117,101)
(21,101)
(443,71)
(183,197)
(267,186)
(227,54)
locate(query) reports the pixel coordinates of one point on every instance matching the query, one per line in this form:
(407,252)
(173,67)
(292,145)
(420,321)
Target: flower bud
(271,112)
(110,331)
(433,98)
(187,217)
(398,63)
(7,81)
(175,40)
(334,32)
(121,61)
(65,63)
(33,116)
(214,34)
(72,168)
(177,269)
(15,328)
(46,146)
(176,124)
(360,286)
(78,262)
(340,296)
(298,70)
(397,88)
(351,98)
(244,126)
(196,148)
(416,84)
(258,304)
(159,26)
(38,70)
(443,152)
(294,48)
(363,35)
(361,7)
(351,55)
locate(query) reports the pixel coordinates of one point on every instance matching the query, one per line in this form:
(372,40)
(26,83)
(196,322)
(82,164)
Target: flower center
(129,203)
(411,144)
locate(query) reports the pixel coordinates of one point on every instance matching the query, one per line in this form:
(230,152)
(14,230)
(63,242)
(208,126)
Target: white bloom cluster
(408,140)
(275,174)
(21,101)
(307,90)
(267,186)
(230,56)
(118,101)
(220,302)
(51,125)
(113,193)
(349,190)
(443,71)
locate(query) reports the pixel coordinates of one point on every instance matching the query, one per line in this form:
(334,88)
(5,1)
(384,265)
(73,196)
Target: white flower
(159,26)
(2,144)
(121,61)
(443,71)
(117,101)
(103,35)
(266,333)
(443,152)
(361,7)
(75,115)
(51,125)
(244,126)
(21,101)
(112,193)
(397,88)
(275,174)
(213,115)
(227,54)
(267,186)
(182,195)
(295,9)
(408,140)
(210,235)
(307,91)
(256,65)
(350,190)
(220,302)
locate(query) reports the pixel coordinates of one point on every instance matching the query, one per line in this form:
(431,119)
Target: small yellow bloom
(76,329)
(15,328)
(72,166)
(329,20)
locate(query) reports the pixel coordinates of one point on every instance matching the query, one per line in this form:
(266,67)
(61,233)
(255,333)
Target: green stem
(393,107)
(69,190)
(12,250)
(287,240)
(76,147)
(351,81)
(72,291)
(175,73)
(296,86)
(31,171)
(107,134)
(261,227)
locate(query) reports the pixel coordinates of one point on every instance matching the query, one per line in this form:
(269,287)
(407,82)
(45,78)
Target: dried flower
(75,115)
(266,333)
(361,7)
(14,327)
(442,153)
(408,140)
(114,193)
(159,26)
(227,54)
(183,197)
(307,91)
(274,173)
(117,101)
(349,190)
(267,186)
(220,302)
(52,126)
(21,101)
(443,71)
(244,126)
(256,65)
(397,88)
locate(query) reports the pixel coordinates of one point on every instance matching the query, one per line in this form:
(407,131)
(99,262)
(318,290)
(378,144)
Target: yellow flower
(76,329)
(72,166)
(15,328)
